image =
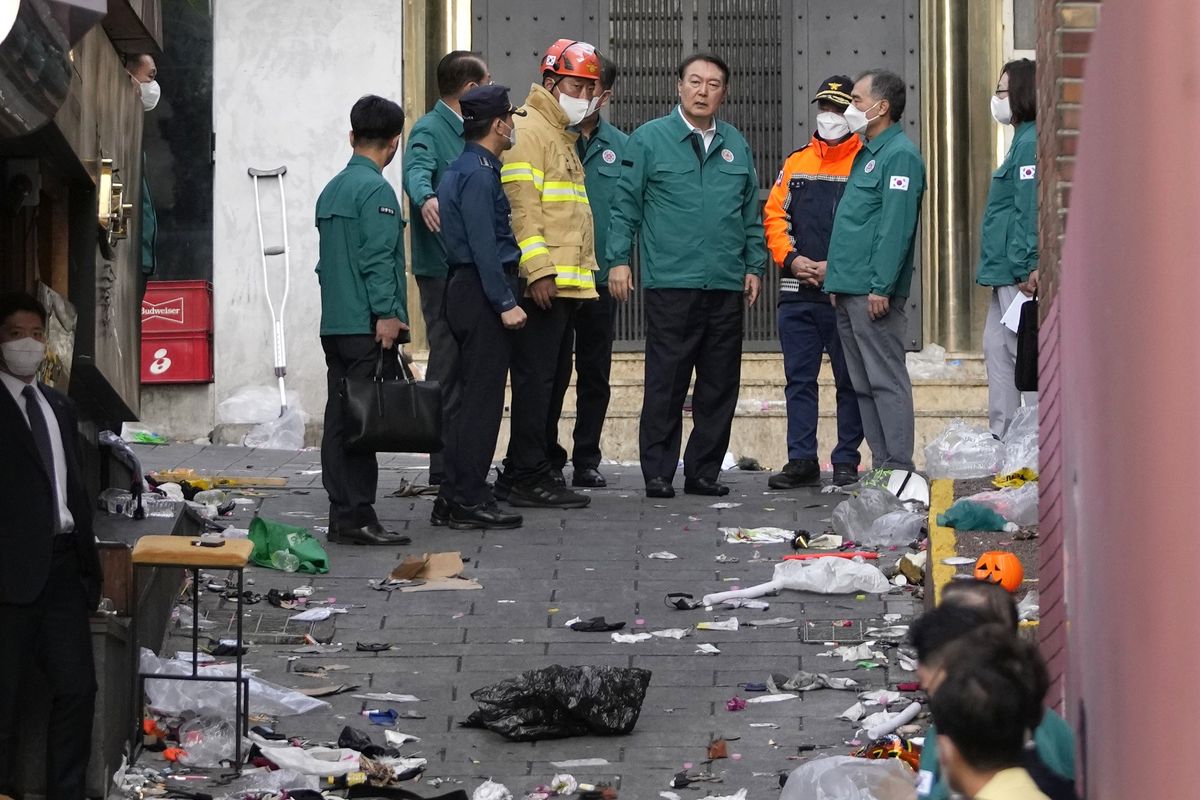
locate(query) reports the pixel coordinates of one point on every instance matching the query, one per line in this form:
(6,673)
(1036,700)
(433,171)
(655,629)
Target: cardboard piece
(440,571)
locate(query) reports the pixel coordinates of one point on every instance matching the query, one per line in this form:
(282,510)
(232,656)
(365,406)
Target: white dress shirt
(15,387)
(706,136)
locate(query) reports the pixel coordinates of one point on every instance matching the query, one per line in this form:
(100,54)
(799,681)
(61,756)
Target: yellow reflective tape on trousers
(532,247)
(522,171)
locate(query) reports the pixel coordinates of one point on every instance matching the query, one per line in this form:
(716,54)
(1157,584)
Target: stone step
(768,366)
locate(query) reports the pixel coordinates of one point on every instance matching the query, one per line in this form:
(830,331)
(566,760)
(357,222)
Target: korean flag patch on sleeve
(1028,173)
(899,182)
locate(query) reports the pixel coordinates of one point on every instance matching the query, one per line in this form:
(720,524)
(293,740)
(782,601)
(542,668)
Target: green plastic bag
(269,536)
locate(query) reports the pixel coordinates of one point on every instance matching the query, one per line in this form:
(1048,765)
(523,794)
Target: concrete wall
(284,78)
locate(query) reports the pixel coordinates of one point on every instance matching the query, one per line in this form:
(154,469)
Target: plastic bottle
(283,560)
(343,781)
(116,501)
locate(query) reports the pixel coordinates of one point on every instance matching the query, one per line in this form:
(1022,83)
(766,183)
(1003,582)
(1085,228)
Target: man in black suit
(49,567)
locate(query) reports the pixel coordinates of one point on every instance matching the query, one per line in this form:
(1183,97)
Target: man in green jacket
(871,263)
(363,306)
(689,191)
(433,144)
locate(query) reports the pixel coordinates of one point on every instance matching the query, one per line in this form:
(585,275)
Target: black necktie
(41,437)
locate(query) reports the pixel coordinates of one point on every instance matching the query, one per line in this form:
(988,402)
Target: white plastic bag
(310,760)
(963,451)
(829,575)
(175,697)
(1021,441)
(253,404)
(853,518)
(206,741)
(894,529)
(281,433)
(850,778)
(930,362)
(1018,505)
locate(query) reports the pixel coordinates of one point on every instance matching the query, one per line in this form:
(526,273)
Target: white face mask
(512,137)
(593,106)
(151,94)
(1001,110)
(858,120)
(576,108)
(832,126)
(22,357)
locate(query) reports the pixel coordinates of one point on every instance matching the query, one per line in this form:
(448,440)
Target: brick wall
(1064,36)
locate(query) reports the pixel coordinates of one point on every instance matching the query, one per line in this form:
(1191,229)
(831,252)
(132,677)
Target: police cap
(835,90)
(486,102)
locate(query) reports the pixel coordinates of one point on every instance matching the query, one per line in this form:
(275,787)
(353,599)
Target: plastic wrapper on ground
(850,778)
(962,451)
(285,432)
(1015,505)
(1021,441)
(820,575)
(852,519)
(175,697)
(253,404)
(558,701)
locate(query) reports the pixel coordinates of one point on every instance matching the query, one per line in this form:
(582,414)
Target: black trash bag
(354,739)
(557,702)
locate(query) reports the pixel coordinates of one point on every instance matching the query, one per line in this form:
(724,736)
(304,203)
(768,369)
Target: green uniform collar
(685,130)
(447,114)
(363,161)
(879,141)
(1025,129)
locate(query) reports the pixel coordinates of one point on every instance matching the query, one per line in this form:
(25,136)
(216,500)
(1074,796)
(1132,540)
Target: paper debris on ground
(631,638)
(764,725)
(490,790)
(316,614)
(725,505)
(860,652)
(826,541)
(396,738)
(957,561)
(764,623)
(579,762)
(881,697)
(671,633)
(906,662)
(757,535)
(854,713)
(730,624)
(664,555)
(890,632)
(707,650)
(439,571)
(771,698)
(809,681)
(388,697)
(726,559)
(741,602)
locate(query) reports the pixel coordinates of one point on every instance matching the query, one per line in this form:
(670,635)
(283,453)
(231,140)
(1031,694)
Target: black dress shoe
(659,487)
(546,494)
(372,534)
(795,474)
(844,474)
(706,486)
(485,516)
(439,517)
(589,478)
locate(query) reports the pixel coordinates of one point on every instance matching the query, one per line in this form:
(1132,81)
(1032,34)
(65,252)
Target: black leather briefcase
(392,414)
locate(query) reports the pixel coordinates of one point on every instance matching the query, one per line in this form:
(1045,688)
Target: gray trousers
(874,352)
(1000,355)
(443,352)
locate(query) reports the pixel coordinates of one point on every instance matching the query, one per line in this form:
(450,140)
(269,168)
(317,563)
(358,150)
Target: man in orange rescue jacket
(798,221)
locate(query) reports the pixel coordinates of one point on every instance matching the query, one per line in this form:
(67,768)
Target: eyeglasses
(1000,91)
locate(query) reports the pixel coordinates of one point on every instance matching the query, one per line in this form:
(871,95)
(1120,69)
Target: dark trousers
(443,351)
(51,634)
(690,329)
(595,322)
(484,348)
(806,330)
(351,479)
(541,373)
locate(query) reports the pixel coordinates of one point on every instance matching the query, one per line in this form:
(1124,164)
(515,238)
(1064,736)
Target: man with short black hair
(870,265)
(433,144)
(482,309)
(50,572)
(689,192)
(364,306)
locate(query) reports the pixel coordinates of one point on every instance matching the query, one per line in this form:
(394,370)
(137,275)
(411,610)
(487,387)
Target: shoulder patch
(391,212)
(898,182)
(1028,173)
(870,167)
(727,154)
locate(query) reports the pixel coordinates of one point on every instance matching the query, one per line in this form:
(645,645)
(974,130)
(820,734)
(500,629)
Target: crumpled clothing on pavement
(809,681)
(558,701)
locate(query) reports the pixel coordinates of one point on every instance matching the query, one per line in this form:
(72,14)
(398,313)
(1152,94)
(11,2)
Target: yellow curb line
(942,541)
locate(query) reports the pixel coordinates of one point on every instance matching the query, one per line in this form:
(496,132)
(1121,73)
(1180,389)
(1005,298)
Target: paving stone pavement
(561,564)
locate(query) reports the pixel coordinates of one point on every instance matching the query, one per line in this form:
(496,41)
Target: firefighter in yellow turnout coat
(544,181)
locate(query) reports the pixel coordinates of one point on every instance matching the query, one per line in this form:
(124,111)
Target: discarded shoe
(705,486)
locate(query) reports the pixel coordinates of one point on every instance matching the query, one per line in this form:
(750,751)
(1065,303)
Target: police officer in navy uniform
(481,309)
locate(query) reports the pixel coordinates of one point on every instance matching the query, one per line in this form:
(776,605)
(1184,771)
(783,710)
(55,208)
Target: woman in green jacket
(1008,258)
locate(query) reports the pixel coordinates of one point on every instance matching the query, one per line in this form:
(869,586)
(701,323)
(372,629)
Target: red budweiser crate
(177,307)
(177,358)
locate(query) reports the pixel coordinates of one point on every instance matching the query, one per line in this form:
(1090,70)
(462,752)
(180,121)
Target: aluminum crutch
(275,250)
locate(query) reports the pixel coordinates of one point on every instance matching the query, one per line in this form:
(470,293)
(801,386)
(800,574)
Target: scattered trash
(140,434)
(893,632)
(894,721)
(672,633)
(765,623)
(436,571)
(725,505)
(1028,610)
(881,697)
(912,567)
(1019,506)
(747,464)
(821,575)
(965,515)
(254,404)
(558,701)
(740,602)
(1002,567)
(963,451)
(595,625)
(682,601)
(270,536)
(957,561)
(854,713)
(579,763)
(1021,442)
(316,614)
(1014,480)
(808,682)
(489,790)
(771,698)
(756,535)
(930,362)
(826,541)
(726,559)
(388,697)
(387,717)
(910,487)
(707,650)
(852,519)
(631,638)
(206,741)
(175,697)
(184,617)
(664,555)
(735,704)
(850,778)
(857,652)
(285,432)
(764,725)
(730,624)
